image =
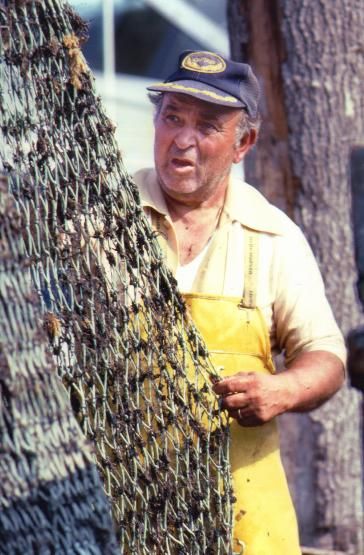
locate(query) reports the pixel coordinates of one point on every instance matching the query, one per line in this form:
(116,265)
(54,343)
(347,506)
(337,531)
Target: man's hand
(252,398)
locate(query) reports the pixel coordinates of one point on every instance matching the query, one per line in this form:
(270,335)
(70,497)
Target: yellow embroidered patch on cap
(204,62)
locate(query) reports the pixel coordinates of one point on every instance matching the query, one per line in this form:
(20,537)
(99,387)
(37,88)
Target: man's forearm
(311,379)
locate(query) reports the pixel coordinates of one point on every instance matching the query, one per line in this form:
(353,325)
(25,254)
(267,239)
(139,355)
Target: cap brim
(198,90)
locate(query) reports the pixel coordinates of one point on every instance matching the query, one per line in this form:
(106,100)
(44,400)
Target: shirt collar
(243,203)
(248,206)
(151,195)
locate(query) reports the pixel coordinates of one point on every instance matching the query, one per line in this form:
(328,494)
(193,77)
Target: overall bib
(236,335)
(237,339)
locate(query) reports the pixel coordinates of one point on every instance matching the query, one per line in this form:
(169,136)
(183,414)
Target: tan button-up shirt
(290,290)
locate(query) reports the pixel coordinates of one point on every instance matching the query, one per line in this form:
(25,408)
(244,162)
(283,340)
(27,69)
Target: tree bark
(309,57)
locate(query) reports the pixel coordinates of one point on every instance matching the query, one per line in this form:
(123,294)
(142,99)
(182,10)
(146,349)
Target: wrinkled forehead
(180,101)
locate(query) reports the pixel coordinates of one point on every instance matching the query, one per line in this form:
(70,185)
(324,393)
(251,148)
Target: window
(92,12)
(146,43)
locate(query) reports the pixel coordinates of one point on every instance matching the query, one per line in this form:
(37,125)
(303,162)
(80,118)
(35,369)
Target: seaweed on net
(136,371)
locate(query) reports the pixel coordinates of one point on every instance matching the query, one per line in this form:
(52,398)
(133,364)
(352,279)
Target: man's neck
(190,206)
(194,223)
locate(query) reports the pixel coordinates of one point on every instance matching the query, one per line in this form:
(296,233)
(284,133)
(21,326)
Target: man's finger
(232,384)
(244,417)
(235,401)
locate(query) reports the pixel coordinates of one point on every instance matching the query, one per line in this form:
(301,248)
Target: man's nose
(185,137)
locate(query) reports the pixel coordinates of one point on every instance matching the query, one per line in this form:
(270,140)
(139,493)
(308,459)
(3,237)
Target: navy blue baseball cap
(213,78)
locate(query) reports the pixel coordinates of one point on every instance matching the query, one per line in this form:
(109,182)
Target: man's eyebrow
(171,106)
(207,114)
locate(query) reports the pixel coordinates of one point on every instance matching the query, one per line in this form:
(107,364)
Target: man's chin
(178,185)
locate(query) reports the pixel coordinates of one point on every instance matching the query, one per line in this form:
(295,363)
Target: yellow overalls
(237,338)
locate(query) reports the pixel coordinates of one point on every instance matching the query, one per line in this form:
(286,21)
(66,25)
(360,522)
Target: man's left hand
(253,399)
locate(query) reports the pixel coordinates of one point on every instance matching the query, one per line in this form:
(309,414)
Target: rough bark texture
(310,60)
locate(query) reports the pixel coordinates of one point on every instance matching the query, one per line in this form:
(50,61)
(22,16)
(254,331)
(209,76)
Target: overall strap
(156,220)
(251,260)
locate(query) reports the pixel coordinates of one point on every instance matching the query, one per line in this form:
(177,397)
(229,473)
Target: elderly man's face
(195,146)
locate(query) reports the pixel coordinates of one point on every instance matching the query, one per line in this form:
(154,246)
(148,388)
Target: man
(249,279)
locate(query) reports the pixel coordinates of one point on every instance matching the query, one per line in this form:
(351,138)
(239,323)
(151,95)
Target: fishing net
(137,374)
(50,492)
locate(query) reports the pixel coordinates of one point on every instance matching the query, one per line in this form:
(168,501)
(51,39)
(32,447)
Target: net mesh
(137,374)
(51,500)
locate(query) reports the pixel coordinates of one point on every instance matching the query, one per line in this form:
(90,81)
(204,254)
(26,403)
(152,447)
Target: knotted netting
(137,374)
(51,499)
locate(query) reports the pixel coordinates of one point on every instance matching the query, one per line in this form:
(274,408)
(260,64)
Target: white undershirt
(186,274)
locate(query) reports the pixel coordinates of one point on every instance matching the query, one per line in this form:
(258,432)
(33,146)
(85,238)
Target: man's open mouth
(182,163)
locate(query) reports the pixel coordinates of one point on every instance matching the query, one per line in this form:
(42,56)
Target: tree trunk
(309,57)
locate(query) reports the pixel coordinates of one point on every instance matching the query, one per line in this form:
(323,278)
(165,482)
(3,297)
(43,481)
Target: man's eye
(172,118)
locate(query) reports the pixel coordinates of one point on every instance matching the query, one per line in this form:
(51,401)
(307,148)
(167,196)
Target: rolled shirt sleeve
(303,319)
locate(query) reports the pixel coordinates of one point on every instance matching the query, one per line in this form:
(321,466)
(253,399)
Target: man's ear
(244,145)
